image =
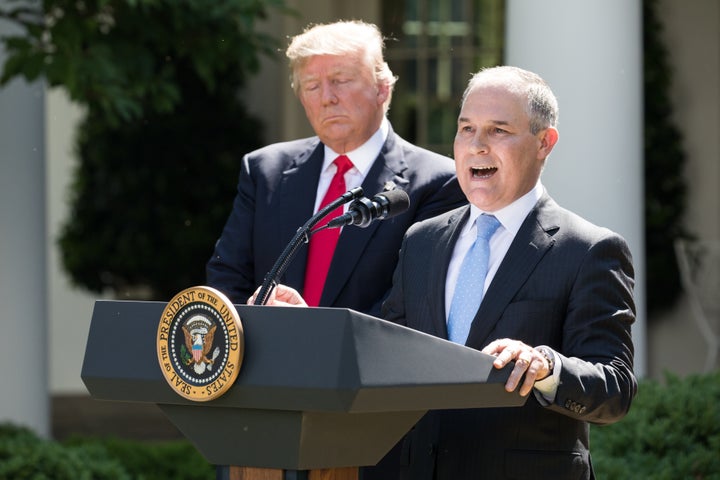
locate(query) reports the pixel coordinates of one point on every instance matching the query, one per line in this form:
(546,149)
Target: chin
(485,205)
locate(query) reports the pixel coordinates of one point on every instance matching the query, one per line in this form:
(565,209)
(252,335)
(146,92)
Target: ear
(383,91)
(548,138)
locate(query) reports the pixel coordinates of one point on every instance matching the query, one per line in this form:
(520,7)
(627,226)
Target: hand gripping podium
(320,389)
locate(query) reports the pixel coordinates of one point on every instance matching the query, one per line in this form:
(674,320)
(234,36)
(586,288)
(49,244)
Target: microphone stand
(301,236)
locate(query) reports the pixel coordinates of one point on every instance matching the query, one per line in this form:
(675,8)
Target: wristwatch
(549,356)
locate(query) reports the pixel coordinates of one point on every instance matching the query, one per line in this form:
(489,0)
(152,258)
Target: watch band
(549,356)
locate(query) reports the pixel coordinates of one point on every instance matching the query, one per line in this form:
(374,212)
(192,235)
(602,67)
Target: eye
(311,86)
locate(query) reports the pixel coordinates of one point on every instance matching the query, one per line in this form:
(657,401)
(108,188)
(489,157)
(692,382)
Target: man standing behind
(345,87)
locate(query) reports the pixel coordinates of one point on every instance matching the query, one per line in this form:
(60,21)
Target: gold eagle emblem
(199,334)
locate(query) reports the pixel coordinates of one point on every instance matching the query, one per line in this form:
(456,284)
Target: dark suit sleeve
(231,267)
(596,381)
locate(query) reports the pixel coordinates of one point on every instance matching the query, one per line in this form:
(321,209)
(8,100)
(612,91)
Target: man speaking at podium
(345,86)
(520,278)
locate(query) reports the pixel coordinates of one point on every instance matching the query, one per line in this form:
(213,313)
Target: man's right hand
(281,296)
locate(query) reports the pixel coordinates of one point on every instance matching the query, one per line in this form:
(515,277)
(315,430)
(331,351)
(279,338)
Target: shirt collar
(363,156)
(512,216)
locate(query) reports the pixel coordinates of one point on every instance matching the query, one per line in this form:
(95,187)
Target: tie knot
(486,226)
(343,164)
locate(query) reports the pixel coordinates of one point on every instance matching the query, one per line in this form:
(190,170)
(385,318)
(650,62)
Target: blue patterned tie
(471,281)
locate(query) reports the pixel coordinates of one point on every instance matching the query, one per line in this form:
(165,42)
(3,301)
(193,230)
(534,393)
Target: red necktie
(322,243)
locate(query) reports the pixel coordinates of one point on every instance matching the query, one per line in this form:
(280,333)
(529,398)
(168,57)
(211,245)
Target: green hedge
(25,456)
(672,432)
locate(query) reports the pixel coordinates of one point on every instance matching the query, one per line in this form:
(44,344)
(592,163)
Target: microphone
(364,211)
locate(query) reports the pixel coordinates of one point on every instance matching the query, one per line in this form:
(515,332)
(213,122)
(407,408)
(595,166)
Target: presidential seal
(200,343)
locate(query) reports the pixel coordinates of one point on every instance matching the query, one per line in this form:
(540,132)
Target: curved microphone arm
(301,236)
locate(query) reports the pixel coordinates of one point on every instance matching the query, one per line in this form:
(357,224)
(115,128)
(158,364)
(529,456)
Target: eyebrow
(305,78)
(494,122)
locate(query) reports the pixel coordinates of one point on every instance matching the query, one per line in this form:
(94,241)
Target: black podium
(319,388)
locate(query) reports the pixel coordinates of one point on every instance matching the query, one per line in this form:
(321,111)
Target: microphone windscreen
(397,202)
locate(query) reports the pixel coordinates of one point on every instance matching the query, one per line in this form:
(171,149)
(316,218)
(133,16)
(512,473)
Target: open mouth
(482,172)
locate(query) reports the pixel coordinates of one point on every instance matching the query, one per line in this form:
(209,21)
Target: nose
(328,93)
(479,144)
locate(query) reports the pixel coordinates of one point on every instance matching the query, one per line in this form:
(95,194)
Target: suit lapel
(388,167)
(298,189)
(531,243)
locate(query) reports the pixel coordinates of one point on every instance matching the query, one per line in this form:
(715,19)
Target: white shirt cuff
(546,389)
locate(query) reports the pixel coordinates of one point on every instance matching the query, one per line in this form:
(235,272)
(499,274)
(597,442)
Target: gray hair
(542,106)
(342,38)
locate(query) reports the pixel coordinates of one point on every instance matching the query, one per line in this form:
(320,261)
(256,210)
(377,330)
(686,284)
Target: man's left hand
(528,363)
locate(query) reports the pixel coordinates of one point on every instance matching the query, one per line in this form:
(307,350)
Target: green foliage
(665,187)
(164,129)
(671,432)
(150,197)
(154,460)
(126,58)
(23,455)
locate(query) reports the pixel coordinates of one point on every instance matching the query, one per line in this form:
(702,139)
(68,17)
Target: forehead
(319,65)
(494,102)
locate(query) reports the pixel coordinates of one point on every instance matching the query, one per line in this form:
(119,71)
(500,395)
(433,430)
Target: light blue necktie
(471,281)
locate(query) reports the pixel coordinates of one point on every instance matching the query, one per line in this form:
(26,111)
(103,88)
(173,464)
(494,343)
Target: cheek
(306,103)
(459,148)
(364,98)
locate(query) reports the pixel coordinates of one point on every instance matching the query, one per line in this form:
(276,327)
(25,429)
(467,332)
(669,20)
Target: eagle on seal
(199,342)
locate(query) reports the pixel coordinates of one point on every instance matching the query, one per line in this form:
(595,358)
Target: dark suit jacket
(276,196)
(564,283)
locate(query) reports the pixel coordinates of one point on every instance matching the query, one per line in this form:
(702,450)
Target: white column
(591,54)
(23,315)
